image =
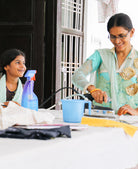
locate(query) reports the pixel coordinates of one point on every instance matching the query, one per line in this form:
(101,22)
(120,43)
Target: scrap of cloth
(42,134)
(106,8)
(129,129)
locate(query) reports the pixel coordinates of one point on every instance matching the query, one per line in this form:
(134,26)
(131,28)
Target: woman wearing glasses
(116,69)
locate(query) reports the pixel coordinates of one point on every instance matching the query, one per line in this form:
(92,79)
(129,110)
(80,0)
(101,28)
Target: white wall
(130,7)
(97,35)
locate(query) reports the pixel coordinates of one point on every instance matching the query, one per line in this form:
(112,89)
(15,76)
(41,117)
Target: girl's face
(17,67)
(120,37)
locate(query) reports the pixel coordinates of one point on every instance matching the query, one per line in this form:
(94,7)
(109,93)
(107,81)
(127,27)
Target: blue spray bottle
(29,98)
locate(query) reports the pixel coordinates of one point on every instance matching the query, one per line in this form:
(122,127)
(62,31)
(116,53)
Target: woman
(13,67)
(116,69)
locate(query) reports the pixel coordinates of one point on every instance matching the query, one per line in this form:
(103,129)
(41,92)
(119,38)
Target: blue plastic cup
(73,110)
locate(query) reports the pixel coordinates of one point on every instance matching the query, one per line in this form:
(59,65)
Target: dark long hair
(8,56)
(120,19)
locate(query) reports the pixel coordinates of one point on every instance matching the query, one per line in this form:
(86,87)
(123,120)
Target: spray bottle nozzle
(33,78)
(30,75)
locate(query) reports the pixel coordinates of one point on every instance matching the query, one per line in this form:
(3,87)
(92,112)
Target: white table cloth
(90,148)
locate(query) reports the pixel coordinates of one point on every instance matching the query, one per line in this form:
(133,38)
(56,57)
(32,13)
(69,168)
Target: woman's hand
(127,109)
(99,96)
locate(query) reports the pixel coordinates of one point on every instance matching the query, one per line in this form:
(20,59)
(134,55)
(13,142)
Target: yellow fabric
(129,129)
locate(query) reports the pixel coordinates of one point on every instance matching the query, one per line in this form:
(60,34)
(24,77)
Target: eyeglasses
(121,36)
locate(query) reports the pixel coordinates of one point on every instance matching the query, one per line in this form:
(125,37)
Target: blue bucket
(73,110)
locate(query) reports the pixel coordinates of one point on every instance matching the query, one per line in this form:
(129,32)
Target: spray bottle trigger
(33,78)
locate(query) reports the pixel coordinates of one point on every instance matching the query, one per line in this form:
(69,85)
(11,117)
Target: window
(72,34)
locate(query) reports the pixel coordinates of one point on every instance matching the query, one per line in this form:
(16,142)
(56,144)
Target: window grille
(72,41)
(72,11)
(71,59)
(70,44)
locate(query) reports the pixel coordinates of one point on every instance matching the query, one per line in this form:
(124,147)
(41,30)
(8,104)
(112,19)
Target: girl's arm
(5,104)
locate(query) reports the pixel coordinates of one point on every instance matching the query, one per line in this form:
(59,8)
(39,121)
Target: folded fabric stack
(14,114)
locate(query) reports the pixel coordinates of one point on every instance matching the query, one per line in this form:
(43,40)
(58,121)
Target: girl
(12,63)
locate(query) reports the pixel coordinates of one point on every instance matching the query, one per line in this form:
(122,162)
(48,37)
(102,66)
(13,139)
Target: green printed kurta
(108,77)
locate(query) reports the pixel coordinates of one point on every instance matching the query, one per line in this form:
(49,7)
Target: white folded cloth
(15,114)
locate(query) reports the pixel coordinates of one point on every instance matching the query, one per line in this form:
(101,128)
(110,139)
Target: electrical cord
(41,106)
(84,96)
(59,103)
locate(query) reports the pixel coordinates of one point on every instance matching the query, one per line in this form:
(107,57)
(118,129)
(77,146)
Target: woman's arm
(79,78)
(80,81)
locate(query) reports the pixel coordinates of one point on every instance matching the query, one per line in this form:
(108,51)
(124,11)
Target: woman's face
(120,37)
(17,67)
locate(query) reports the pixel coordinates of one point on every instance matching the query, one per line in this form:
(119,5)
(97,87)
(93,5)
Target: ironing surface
(109,113)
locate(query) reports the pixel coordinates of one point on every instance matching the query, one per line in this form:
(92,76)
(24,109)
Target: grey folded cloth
(43,134)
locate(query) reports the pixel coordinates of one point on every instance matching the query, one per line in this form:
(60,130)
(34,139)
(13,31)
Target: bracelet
(4,105)
(94,90)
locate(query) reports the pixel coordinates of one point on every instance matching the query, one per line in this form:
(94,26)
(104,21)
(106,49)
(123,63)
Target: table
(91,148)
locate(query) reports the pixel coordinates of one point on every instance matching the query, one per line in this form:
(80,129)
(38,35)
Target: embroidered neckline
(130,55)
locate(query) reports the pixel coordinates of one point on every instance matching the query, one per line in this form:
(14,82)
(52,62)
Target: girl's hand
(127,109)
(6,103)
(99,96)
